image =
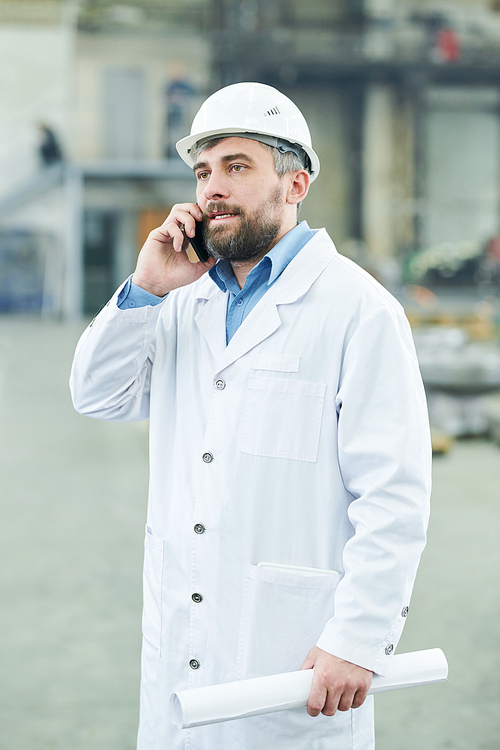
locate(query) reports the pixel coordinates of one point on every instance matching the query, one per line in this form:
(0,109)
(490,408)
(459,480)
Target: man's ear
(298,187)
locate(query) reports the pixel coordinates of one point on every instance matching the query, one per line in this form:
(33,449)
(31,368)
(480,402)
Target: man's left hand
(337,684)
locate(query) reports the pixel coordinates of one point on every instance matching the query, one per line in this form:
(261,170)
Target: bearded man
(289,441)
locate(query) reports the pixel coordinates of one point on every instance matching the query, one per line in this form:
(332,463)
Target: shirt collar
(278,257)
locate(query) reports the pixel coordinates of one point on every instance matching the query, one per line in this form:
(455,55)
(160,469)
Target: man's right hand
(163,264)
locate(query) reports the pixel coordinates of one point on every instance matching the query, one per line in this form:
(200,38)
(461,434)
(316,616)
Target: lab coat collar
(264,319)
(305,268)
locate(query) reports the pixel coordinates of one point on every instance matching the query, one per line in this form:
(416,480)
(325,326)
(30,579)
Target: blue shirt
(240,301)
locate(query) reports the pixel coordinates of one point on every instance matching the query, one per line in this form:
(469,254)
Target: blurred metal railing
(33,187)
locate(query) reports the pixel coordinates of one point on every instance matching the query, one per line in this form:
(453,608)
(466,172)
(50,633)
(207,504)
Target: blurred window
(463,154)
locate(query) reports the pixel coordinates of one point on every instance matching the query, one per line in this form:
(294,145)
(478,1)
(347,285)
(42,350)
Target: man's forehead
(230,148)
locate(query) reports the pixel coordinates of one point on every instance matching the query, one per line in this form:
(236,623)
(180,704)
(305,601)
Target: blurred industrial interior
(403,101)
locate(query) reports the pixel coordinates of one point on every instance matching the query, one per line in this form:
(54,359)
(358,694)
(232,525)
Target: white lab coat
(304,442)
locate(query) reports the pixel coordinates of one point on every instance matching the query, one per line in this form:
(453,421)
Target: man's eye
(202,175)
(237,167)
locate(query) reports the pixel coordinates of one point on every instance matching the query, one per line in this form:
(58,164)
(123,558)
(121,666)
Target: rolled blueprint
(263,695)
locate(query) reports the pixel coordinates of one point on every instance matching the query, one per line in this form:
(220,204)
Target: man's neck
(241,270)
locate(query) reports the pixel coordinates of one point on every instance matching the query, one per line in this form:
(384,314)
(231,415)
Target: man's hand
(337,684)
(163,264)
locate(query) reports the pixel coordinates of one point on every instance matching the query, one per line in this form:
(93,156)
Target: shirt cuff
(134,296)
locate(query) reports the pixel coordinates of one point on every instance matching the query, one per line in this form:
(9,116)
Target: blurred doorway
(100,251)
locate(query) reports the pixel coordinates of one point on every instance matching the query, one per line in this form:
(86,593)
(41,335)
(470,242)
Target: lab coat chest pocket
(152,587)
(281,416)
(283,615)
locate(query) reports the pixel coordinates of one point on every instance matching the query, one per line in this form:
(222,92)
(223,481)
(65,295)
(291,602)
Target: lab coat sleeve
(111,372)
(385,459)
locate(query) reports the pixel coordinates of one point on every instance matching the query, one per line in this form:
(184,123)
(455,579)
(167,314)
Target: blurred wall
(154,59)
(36,64)
(377,81)
(35,86)
(103,92)
(328,203)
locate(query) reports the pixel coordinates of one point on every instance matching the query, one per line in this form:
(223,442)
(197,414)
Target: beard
(254,236)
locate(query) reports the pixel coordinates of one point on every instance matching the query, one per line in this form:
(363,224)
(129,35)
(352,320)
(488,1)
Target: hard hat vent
(273,111)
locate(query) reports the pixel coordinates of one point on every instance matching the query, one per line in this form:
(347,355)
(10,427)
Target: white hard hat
(251,110)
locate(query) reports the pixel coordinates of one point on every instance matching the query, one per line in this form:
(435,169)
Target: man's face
(242,199)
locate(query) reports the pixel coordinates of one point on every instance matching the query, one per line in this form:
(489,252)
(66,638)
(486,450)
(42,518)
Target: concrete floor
(73,511)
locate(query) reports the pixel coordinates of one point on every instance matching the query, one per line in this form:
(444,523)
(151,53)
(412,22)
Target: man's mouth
(221,216)
(216,216)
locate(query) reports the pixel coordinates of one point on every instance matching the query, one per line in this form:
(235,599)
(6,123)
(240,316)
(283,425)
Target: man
(49,149)
(289,441)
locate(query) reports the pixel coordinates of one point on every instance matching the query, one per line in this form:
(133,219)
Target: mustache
(222,208)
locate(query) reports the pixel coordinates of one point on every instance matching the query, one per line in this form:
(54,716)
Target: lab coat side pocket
(152,589)
(283,615)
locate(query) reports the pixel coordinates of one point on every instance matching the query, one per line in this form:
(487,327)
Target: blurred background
(403,101)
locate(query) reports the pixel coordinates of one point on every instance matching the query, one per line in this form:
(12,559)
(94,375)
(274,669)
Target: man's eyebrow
(241,155)
(229,157)
(199,165)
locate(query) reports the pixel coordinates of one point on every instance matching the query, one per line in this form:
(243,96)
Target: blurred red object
(448,45)
(422,296)
(493,249)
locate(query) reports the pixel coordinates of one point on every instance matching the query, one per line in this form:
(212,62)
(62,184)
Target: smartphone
(198,244)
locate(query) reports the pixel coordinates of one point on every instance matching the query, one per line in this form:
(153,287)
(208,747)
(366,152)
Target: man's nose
(214,188)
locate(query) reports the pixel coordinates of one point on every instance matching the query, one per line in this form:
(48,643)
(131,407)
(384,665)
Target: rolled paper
(280,692)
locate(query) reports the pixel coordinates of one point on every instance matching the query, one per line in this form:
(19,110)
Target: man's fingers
(332,703)
(317,699)
(186,209)
(308,662)
(337,685)
(328,702)
(359,698)
(163,263)
(184,216)
(346,699)
(173,233)
(324,696)
(168,232)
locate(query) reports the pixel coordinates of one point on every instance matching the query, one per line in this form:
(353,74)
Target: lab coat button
(404,612)
(194,664)
(199,528)
(389,649)
(220,384)
(208,458)
(197,598)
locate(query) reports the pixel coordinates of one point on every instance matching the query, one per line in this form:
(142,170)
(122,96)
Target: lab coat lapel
(294,282)
(261,322)
(211,317)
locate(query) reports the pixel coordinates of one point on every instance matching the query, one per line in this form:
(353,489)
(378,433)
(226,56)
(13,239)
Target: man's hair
(283,161)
